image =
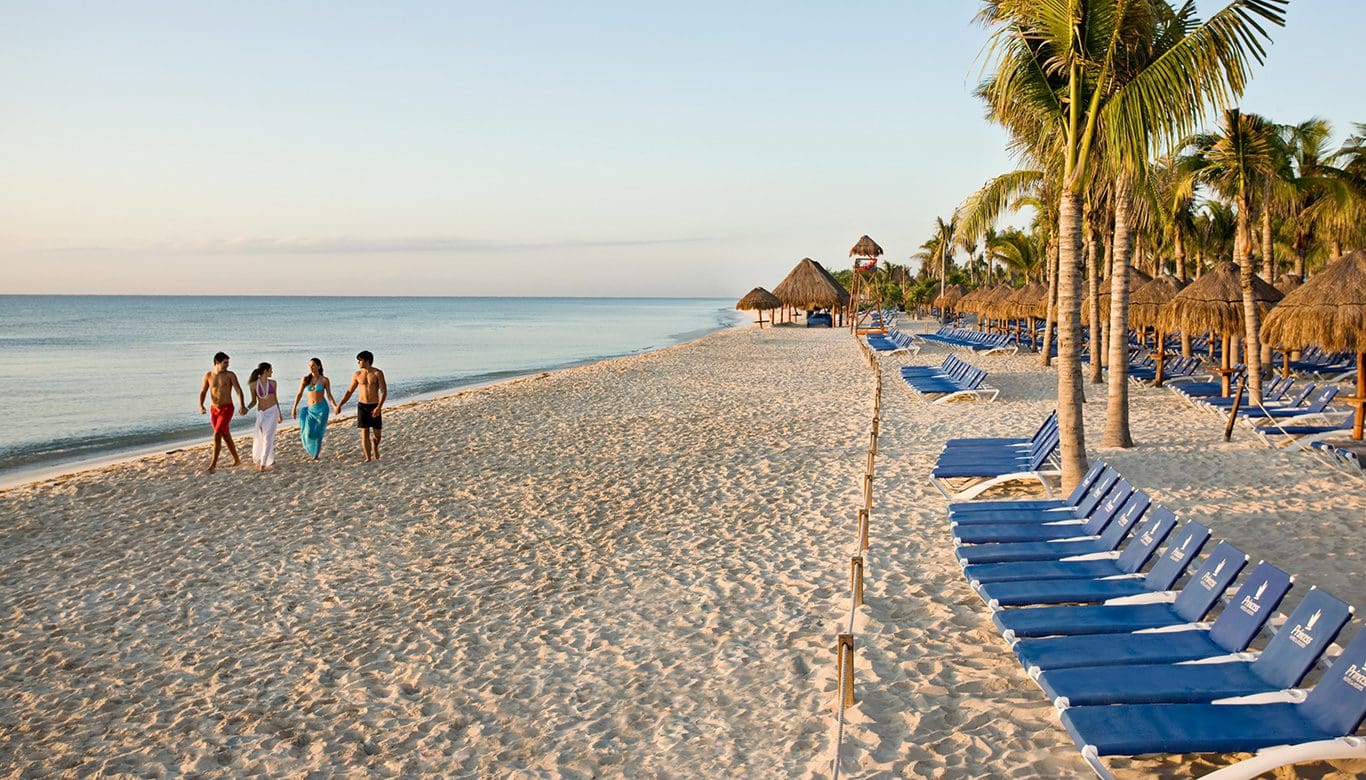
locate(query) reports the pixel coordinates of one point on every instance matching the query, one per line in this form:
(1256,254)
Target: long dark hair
(320,369)
(256,374)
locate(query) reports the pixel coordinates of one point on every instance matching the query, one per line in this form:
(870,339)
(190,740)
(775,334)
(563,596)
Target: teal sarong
(312,426)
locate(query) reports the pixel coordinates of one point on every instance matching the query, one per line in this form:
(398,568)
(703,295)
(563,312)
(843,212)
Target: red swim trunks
(219,417)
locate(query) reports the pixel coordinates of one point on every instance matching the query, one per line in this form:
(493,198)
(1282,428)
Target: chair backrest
(1209,582)
(1087,481)
(1304,392)
(1279,387)
(1321,403)
(1128,505)
(1099,491)
(1251,607)
(1313,626)
(1338,703)
(1178,556)
(1049,423)
(1043,452)
(1159,523)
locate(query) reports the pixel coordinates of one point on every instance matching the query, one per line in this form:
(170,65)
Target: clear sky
(549,148)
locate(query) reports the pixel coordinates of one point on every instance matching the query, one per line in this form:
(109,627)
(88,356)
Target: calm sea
(90,377)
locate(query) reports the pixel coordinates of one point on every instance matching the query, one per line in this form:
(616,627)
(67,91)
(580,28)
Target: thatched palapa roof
(759,299)
(952,294)
(995,303)
(1214,303)
(809,285)
(1148,299)
(1329,311)
(1025,301)
(1137,279)
(866,247)
(1288,283)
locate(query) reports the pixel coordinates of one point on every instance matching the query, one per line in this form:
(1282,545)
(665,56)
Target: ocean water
(90,377)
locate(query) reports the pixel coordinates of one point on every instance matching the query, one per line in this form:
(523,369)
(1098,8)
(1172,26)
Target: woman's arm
(327,386)
(302,384)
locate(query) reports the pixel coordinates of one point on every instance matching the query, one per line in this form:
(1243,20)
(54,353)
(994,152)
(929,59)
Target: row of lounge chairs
(894,341)
(952,379)
(1132,664)
(974,340)
(1281,420)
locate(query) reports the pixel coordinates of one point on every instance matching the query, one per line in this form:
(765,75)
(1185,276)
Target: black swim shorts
(366,417)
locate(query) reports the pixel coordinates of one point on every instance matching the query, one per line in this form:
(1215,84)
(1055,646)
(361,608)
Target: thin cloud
(346,245)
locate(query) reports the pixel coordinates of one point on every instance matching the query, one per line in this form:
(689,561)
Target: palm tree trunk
(1096,376)
(1107,240)
(1179,246)
(1268,248)
(1117,399)
(1071,425)
(1051,315)
(1252,357)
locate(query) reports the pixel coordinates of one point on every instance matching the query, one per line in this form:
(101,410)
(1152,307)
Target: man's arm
(355,380)
(203,391)
(241,397)
(383,392)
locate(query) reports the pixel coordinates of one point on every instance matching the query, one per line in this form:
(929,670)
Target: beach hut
(968,303)
(810,286)
(759,300)
(1137,279)
(1214,304)
(994,304)
(1144,306)
(1328,311)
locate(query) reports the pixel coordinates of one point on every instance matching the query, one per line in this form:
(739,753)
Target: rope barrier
(844,644)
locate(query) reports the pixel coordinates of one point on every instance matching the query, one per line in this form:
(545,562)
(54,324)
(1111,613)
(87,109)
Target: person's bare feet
(211,468)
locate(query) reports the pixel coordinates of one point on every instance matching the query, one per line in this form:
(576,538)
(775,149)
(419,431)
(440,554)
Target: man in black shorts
(369,403)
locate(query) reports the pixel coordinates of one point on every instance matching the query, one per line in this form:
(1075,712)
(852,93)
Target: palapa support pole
(1225,371)
(856,579)
(844,654)
(1233,411)
(1161,358)
(1359,402)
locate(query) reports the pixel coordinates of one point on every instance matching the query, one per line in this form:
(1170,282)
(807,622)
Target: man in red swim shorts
(219,385)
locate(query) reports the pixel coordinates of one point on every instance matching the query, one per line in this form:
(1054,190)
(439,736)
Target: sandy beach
(635,568)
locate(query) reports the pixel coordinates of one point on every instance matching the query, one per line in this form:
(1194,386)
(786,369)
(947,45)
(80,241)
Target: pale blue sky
(460,148)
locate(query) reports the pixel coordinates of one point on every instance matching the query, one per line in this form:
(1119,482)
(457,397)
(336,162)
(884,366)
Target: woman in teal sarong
(313,422)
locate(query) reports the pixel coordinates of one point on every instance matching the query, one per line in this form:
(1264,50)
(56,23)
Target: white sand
(635,568)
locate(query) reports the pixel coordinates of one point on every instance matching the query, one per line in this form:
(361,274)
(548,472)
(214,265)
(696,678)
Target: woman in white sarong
(268,416)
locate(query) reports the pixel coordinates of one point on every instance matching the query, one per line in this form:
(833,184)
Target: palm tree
(1237,162)
(1068,69)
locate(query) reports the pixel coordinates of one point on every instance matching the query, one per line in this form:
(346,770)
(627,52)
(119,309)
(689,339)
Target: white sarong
(263,439)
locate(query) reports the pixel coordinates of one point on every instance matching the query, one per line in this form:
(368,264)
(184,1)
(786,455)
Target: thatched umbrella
(1021,304)
(968,303)
(994,304)
(1214,303)
(1288,283)
(1144,305)
(809,286)
(951,295)
(1137,279)
(1329,311)
(759,300)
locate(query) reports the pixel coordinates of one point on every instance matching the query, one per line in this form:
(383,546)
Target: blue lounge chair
(1076,508)
(1131,559)
(984,472)
(1318,728)
(1120,616)
(1103,533)
(1050,424)
(1319,404)
(1121,499)
(1288,657)
(1232,632)
(1161,577)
